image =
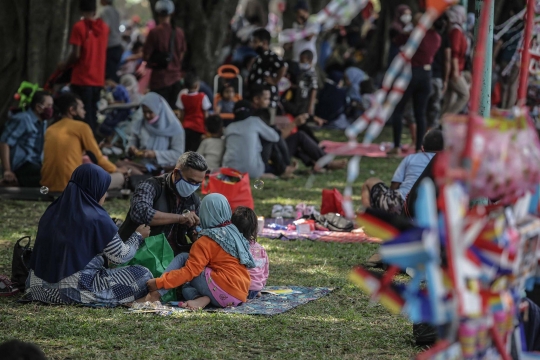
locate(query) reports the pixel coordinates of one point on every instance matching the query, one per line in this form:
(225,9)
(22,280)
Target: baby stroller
(226,73)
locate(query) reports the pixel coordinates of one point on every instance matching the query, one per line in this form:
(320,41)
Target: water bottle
(279,219)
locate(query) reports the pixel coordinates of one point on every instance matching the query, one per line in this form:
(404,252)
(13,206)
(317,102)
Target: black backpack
(334,222)
(20,266)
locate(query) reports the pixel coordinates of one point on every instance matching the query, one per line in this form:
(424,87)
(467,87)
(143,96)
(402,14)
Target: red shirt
(426,50)
(458,44)
(92,36)
(193,112)
(158,39)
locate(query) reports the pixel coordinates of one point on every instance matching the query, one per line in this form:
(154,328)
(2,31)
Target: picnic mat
(355,236)
(274,300)
(369,150)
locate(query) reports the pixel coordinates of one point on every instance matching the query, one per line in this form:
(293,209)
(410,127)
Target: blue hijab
(74,228)
(355,76)
(215,214)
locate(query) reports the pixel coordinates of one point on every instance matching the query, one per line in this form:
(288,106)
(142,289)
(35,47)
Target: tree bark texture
(34,37)
(206,28)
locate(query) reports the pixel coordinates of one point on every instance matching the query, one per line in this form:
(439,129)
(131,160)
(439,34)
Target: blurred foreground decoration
(476,262)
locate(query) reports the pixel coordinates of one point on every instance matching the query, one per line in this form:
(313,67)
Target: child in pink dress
(245,220)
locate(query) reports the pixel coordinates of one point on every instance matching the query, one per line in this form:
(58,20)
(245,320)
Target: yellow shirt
(65,142)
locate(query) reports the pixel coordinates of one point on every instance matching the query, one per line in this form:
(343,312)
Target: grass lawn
(343,325)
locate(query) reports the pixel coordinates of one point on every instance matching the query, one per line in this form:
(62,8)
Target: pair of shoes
(286,211)
(303,210)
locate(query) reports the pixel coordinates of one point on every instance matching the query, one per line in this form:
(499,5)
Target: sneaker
(288,212)
(277,210)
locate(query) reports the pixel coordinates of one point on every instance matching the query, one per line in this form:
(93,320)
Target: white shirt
(304,44)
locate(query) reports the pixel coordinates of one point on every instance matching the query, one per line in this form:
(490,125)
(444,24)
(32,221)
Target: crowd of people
(180,129)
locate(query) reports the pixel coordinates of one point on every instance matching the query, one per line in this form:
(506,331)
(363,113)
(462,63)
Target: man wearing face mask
(66,141)
(168,203)
(21,143)
(309,42)
(267,69)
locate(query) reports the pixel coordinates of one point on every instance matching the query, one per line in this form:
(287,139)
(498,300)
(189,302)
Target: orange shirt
(231,276)
(65,142)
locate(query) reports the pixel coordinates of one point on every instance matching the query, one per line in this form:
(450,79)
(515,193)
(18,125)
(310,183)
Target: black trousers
(193,140)
(419,90)
(304,147)
(170,93)
(114,55)
(29,175)
(278,154)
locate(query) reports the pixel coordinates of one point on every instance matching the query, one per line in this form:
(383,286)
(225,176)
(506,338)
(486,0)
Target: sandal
(7,287)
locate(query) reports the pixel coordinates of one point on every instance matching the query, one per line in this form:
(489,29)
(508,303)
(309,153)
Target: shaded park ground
(342,325)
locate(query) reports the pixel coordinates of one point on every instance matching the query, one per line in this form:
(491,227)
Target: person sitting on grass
(391,199)
(226,104)
(157,139)
(21,143)
(245,220)
(213,146)
(75,235)
(66,141)
(216,269)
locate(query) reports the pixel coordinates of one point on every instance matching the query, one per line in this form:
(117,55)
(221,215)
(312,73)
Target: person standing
(164,51)
(87,59)
(457,95)
(419,88)
(440,74)
(111,17)
(309,42)
(21,143)
(267,70)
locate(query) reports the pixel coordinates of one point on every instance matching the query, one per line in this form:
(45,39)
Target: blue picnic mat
(272,304)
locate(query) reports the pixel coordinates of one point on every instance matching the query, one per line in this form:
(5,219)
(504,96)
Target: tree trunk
(34,39)
(206,28)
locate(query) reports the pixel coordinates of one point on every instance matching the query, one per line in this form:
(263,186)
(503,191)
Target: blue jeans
(193,289)
(253,294)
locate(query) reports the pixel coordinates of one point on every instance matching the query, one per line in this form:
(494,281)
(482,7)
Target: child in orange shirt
(216,266)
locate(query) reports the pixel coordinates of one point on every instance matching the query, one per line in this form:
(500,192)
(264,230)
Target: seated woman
(75,235)
(157,137)
(215,270)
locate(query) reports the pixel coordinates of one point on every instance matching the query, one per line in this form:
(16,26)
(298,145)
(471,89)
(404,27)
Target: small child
(213,147)
(194,108)
(245,220)
(116,94)
(226,104)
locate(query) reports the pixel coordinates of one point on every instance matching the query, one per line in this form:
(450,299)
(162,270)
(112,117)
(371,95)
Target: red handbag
(331,202)
(232,184)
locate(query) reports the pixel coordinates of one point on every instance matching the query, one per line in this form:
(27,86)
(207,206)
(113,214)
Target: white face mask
(406,18)
(304,66)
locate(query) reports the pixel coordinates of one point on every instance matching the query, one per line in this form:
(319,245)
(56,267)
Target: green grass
(343,325)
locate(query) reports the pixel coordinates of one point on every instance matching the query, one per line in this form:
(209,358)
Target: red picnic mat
(355,236)
(357,149)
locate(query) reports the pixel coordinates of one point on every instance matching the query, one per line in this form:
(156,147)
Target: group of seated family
(79,250)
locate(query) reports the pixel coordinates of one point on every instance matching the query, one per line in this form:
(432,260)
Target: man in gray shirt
(111,17)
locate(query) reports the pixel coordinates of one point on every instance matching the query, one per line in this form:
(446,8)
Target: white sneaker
(277,210)
(288,212)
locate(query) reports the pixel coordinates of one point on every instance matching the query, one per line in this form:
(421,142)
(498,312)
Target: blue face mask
(184,187)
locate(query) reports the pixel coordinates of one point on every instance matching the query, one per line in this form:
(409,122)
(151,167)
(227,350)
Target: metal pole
(485,102)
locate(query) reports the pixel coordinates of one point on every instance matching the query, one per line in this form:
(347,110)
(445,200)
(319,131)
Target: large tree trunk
(34,38)
(206,28)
